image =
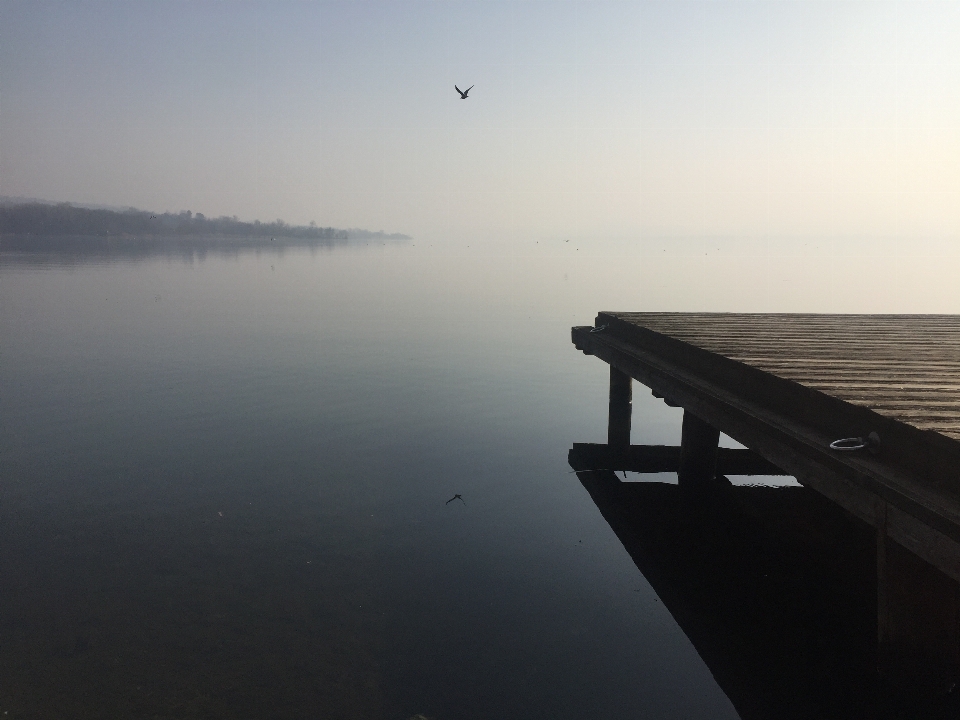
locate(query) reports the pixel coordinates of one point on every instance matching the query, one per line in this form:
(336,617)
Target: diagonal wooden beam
(663,458)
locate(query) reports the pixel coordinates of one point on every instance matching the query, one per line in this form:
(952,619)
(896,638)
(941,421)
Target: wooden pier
(788,387)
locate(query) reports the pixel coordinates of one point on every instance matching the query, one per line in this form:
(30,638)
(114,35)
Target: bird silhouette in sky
(463,93)
(458,496)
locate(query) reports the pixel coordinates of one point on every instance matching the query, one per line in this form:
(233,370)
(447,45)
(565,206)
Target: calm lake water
(224,479)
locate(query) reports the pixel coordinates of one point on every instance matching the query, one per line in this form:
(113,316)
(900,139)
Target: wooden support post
(918,620)
(621,398)
(883,609)
(699,441)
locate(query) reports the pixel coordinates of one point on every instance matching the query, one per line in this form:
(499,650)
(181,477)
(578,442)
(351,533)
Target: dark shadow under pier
(776,589)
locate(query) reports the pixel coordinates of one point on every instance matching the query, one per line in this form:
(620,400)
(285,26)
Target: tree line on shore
(35,218)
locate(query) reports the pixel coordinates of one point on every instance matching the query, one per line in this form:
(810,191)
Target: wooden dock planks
(787,385)
(906,367)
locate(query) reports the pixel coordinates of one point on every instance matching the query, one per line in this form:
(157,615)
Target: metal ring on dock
(849,444)
(871,442)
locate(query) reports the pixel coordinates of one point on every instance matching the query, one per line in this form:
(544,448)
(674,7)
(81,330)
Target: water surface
(225,476)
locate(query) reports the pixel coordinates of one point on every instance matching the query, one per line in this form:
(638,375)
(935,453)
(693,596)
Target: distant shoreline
(45,227)
(19,242)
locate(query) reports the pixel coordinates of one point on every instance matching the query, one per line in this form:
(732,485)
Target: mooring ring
(849,444)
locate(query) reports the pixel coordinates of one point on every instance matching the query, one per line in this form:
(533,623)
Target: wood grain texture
(905,367)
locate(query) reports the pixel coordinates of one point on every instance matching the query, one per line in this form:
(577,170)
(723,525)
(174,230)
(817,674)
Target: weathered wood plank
(906,367)
(791,424)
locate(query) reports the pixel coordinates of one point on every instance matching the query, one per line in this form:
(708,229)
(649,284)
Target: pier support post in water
(699,441)
(918,620)
(621,407)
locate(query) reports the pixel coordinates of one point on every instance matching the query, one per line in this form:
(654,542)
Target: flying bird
(463,93)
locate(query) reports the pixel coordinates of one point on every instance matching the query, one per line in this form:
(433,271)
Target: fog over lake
(291,439)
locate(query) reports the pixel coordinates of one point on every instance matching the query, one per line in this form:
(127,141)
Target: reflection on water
(224,495)
(73,250)
(775,587)
(224,490)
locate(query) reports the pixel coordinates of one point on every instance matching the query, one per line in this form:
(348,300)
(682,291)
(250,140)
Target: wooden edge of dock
(910,489)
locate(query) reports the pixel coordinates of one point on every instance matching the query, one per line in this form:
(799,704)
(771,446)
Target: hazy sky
(622,119)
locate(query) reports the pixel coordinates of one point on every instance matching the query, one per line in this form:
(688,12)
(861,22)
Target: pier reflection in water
(774,586)
(785,623)
(759,379)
